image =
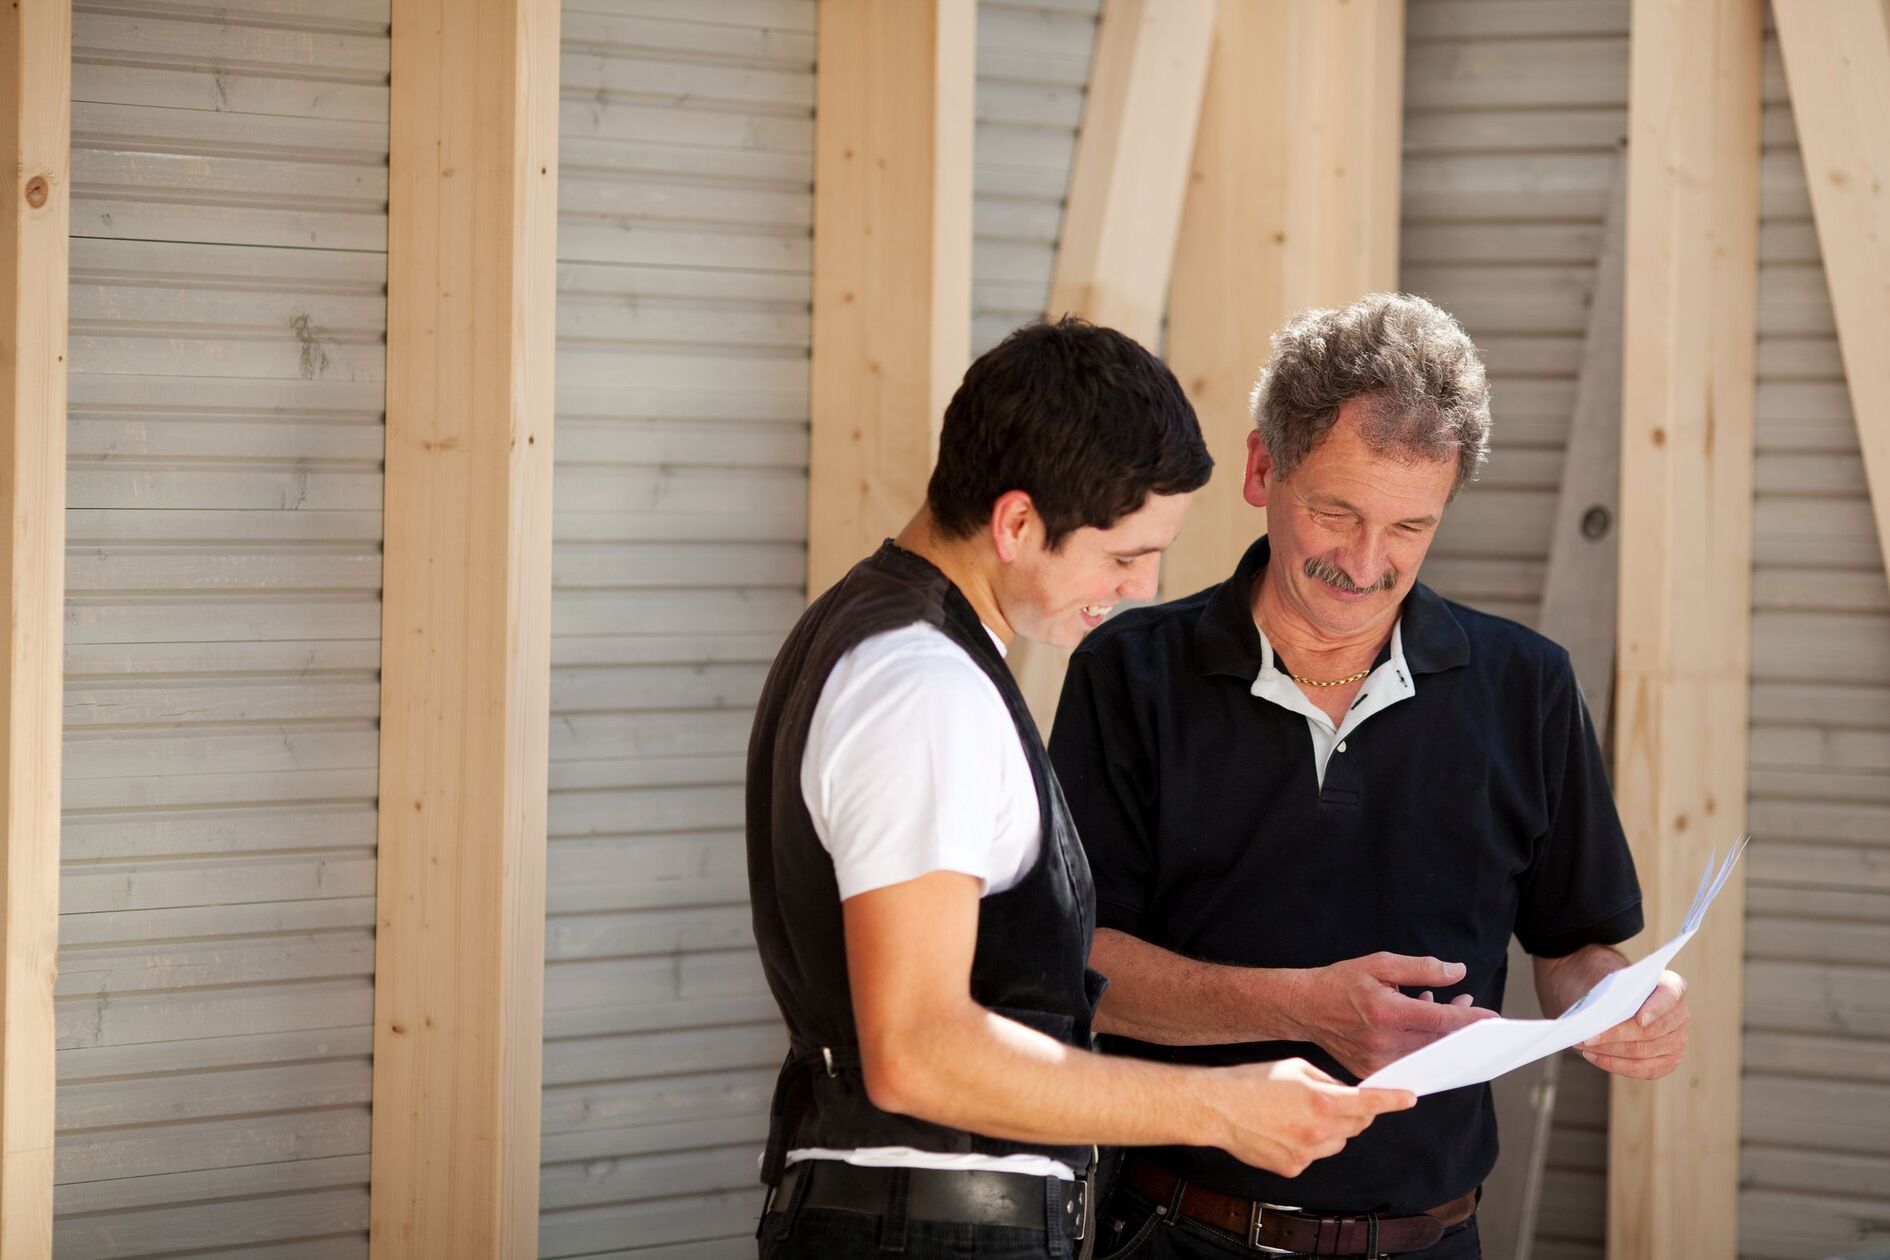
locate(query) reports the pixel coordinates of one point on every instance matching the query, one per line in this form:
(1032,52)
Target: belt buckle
(1253,1228)
(1081,1209)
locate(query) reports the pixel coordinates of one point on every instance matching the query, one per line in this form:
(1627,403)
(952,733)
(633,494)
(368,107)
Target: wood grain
(465,659)
(1686,513)
(35,132)
(892,264)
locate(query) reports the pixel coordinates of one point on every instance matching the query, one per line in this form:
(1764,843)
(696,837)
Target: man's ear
(1013,522)
(1258,482)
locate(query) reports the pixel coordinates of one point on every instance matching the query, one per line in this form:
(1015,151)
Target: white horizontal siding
(1514,113)
(679,561)
(1815,1155)
(1033,66)
(228,319)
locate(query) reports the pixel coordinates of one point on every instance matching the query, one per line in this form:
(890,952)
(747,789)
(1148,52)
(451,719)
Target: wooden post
(1686,517)
(1116,253)
(1117,248)
(892,263)
(35,128)
(1580,591)
(465,651)
(1578,612)
(1837,61)
(1293,203)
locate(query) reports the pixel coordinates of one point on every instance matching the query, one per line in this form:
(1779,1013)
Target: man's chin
(1066,633)
(1067,637)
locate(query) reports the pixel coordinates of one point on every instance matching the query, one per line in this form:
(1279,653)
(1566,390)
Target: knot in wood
(37,190)
(1596,522)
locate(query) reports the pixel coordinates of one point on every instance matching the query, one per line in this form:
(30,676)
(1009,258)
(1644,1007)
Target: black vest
(1033,939)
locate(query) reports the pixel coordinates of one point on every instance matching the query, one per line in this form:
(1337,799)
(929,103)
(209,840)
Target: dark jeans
(819,1234)
(1128,1229)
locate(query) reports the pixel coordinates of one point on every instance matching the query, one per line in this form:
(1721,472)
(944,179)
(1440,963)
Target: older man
(1319,798)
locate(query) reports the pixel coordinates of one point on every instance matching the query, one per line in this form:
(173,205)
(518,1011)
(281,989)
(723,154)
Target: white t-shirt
(913,766)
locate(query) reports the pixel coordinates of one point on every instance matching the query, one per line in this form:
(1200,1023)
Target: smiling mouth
(1098,611)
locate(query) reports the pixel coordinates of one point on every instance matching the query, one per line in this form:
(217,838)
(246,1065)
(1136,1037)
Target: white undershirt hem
(907,1157)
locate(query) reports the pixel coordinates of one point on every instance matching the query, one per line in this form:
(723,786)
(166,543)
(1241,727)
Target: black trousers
(1129,1228)
(819,1234)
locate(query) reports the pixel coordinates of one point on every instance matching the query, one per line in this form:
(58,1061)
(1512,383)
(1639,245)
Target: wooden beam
(1293,203)
(1578,612)
(1116,253)
(892,263)
(1686,511)
(465,653)
(1579,593)
(1130,177)
(35,128)
(1837,63)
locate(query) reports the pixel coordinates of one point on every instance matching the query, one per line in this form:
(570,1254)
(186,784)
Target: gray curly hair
(1418,369)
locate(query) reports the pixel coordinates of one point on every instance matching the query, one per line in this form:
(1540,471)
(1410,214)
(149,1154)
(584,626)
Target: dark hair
(1080,418)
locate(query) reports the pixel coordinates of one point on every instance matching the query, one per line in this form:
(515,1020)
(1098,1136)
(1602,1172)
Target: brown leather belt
(1284,1230)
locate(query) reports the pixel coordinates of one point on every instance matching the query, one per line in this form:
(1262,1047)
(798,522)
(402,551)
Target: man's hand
(1353,1009)
(1282,1116)
(1649,1045)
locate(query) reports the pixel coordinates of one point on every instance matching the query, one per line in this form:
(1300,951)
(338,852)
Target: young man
(922,905)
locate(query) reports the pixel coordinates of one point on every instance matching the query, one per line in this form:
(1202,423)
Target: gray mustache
(1322,570)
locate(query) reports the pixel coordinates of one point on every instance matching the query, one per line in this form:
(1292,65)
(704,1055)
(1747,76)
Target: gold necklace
(1336,682)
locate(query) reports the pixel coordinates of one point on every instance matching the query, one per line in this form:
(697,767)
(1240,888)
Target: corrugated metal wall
(227,323)
(1816,1122)
(1033,64)
(1513,114)
(679,562)
(223,624)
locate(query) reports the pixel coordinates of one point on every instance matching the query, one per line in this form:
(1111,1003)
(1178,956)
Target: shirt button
(1341,745)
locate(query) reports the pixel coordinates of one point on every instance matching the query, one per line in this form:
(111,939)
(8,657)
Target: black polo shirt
(1476,808)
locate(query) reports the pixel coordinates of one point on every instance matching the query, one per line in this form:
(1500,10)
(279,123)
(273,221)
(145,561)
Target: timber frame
(892,264)
(35,132)
(472,274)
(1680,764)
(465,674)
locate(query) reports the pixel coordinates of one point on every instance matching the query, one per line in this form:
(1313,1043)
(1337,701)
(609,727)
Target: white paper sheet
(1485,1050)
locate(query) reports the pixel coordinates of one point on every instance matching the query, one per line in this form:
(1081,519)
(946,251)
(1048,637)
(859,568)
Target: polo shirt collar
(1226,640)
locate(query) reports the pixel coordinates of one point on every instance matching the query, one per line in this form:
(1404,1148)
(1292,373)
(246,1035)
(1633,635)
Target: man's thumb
(1404,969)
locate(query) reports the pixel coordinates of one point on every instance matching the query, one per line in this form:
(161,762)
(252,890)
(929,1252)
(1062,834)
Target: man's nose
(1364,561)
(1144,578)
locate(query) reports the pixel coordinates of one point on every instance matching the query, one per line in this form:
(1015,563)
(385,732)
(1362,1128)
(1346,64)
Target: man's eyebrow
(1329,501)
(1133,553)
(1333,501)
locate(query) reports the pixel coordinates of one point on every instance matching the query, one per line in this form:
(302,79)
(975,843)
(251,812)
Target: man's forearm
(1561,982)
(1161,997)
(977,1070)
(927,1049)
